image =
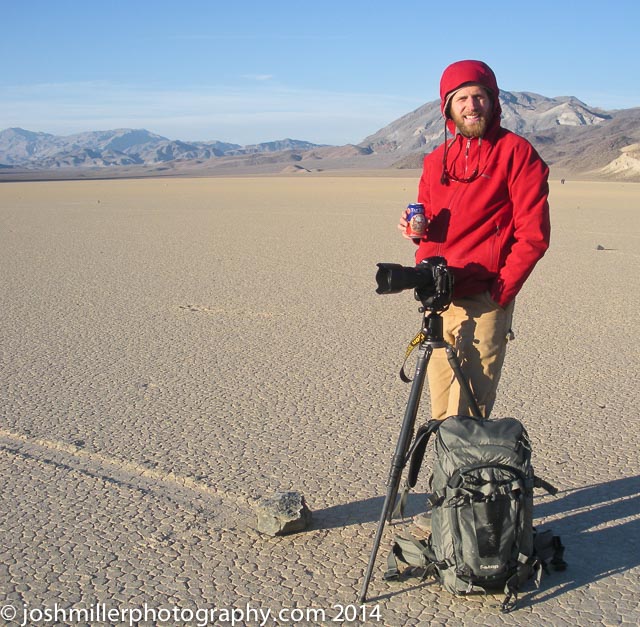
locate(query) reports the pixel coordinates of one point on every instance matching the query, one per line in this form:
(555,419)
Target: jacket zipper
(466,157)
(458,190)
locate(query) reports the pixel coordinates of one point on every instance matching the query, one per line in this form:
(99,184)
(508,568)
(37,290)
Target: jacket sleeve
(529,192)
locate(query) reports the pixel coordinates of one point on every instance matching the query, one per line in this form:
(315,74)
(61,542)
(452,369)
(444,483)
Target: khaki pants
(478,329)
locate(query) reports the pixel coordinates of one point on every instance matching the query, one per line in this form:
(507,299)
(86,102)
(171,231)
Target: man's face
(471,110)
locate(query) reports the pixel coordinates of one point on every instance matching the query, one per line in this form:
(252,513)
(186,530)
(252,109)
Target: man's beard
(475,130)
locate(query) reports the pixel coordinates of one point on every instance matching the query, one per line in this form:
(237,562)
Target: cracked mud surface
(187,346)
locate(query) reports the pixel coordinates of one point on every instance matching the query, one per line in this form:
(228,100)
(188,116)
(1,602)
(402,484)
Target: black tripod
(432,339)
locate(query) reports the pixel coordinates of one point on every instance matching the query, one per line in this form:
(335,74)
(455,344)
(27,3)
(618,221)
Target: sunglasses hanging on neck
(448,176)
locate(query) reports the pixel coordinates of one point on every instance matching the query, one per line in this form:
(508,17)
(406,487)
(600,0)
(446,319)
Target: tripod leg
(406,433)
(399,458)
(465,388)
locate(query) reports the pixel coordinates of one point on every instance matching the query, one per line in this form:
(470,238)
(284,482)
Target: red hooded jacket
(494,228)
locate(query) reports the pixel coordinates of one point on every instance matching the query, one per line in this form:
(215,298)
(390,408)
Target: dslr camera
(431,280)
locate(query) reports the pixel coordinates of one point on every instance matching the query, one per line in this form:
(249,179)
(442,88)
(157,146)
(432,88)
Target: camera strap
(416,341)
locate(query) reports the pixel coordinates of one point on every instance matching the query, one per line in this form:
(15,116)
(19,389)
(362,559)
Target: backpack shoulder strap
(549,550)
(415,455)
(417,450)
(545,485)
(416,555)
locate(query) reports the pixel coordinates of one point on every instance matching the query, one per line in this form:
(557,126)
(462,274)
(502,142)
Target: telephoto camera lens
(393,278)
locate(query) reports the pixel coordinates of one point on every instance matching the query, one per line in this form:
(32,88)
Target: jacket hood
(468,72)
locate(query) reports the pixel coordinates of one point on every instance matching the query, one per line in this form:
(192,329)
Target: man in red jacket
(485,195)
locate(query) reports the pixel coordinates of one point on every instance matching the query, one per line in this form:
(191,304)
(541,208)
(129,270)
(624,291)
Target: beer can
(416,221)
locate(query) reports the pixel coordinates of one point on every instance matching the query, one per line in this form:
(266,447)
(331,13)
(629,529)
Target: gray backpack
(482,536)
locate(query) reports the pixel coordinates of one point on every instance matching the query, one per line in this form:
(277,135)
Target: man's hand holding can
(413,222)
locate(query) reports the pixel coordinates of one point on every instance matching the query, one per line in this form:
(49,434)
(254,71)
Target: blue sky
(323,71)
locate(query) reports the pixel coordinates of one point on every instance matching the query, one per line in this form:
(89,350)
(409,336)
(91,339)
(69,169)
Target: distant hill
(574,139)
(120,147)
(522,112)
(571,136)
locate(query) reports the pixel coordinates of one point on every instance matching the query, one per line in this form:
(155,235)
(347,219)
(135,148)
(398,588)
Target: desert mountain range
(574,138)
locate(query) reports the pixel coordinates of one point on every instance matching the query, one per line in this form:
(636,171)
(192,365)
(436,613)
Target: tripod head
(432,329)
